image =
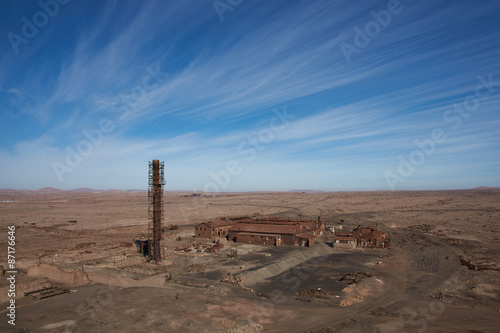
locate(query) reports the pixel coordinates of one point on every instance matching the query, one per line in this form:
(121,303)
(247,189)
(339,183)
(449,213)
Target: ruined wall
(257,239)
(53,273)
(203,231)
(289,240)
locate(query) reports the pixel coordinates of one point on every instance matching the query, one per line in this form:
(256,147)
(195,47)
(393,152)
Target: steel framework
(155,207)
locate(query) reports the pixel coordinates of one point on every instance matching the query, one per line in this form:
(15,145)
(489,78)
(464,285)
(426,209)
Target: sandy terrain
(441,274)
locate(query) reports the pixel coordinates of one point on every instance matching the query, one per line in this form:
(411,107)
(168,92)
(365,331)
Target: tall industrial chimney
(155,199)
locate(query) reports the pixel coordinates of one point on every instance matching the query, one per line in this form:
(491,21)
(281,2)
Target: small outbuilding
(212,229)
(369,237)
(345,241)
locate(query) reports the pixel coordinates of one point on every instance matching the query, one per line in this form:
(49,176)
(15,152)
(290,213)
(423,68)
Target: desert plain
(440,274)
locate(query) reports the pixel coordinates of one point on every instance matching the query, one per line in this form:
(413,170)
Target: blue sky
(250,95)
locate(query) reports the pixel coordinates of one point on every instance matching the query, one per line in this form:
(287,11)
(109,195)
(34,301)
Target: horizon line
(311,191)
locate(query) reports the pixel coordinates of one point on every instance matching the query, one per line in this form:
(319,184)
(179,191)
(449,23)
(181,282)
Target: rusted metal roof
(311,225)
(257,234)
(280,219)
(307,235)
(267,228)
(369,232)
(273,225)
(344,238)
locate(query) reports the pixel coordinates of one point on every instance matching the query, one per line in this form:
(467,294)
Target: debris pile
(348,290)
(466,262)
(248,328)
(231,279)
(317,293)
(355,277)
(213,290)
(47,292)
(214,248)
(226,324)
(345,302)
(199,248)
(185,248)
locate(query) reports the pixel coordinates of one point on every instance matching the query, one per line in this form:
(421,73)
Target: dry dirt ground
(441,274)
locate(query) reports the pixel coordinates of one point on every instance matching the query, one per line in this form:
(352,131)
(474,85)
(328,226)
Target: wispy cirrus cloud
(221,81)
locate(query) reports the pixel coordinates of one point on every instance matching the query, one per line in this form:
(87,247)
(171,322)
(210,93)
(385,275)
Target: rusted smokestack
(155,195)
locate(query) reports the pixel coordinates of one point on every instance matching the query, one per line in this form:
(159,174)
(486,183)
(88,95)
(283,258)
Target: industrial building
(275,231)
(345,241)
(272,234)
(213,229)
(370,237)
(341,228)
(361,237)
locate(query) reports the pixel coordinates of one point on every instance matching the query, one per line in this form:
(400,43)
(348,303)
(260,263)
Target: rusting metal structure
(155,211)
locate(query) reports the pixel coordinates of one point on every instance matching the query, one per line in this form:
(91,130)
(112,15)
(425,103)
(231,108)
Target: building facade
(213,229)
(347,241)
(369,237)
(361,237)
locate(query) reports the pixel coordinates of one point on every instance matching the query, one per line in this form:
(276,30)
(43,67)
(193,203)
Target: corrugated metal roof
(311,225)
(280,219)
(257,234)
(264,225)
(307,235)
(266,228)
(369,232)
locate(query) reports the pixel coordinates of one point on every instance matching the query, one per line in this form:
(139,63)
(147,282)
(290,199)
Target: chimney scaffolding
(155,207)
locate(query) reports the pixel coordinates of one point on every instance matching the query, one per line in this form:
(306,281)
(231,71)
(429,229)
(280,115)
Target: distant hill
(8,191)
(486,188)
(308,191)
(82,189)
(48,190)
